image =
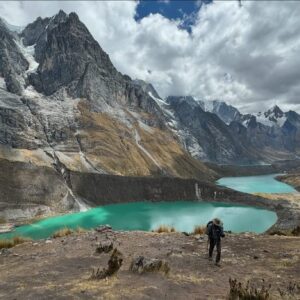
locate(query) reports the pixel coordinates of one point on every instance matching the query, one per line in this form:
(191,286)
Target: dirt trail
(60,268)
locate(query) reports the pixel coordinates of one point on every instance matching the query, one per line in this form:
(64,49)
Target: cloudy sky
(247,55)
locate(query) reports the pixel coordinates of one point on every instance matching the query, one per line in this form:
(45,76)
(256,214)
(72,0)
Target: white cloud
(248,56)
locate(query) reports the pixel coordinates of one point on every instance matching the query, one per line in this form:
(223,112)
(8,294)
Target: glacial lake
(147,216)
(256,184)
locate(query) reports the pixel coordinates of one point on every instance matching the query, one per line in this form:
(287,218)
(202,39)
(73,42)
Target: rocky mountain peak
(69,57)
(274,113)
(147,87)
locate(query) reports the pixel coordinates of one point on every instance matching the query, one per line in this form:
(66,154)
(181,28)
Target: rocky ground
(61,268)
(292,179)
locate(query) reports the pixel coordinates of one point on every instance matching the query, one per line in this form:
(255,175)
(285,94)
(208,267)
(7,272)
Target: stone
(103,228)
(104,247)
(142,265)
(5,251)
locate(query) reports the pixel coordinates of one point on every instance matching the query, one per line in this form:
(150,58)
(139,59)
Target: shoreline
(288,212)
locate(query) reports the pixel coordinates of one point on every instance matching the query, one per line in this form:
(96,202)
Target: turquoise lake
(256,184)
(183,215)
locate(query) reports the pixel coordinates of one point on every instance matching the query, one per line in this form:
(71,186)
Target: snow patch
(158,100)
(28,53)
(2,84)
(209,106)
(31,93)
(270,120)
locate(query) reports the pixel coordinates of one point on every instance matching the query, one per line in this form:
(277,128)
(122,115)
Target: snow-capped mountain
(218,132)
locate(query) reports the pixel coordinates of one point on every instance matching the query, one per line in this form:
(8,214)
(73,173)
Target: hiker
(215,232)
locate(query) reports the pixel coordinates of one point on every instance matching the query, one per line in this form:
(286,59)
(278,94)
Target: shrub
(114,264)
(165,229)
(291,291)
(200,229)
(240,292)
(293,232)
(62,232)
(2,220)
(13,242)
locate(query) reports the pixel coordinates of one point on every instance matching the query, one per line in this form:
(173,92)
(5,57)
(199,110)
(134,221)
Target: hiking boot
(210,258)
(217,264)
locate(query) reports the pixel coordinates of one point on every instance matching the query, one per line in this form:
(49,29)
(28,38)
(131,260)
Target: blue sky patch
(185,10)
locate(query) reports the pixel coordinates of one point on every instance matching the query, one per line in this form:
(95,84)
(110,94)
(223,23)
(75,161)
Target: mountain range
(65,108)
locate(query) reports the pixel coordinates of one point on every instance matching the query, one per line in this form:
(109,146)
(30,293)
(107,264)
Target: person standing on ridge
(215,233)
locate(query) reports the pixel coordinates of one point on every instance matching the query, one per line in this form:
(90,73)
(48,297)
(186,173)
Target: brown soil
(60,268)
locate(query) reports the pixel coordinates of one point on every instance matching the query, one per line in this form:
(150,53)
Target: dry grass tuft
(165,229)
(62,232)
(13,242)
(200,229)
(239,291)
(293,232)
(2,220)
(67,231)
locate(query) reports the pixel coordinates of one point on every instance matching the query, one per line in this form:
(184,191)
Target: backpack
(209,228)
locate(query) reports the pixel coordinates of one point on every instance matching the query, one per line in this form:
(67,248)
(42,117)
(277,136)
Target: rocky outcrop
(12,62)
(143,264)
(28,191)
(227,113)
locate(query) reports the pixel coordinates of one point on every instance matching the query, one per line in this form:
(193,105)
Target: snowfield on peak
(28,53)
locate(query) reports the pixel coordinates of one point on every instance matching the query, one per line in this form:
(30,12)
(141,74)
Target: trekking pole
(207,243)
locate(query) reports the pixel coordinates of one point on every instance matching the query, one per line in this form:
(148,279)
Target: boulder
(104,247)
(103,228)
(141,265)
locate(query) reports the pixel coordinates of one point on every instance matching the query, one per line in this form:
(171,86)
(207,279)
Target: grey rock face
(69,57)
(12,62)
(225,112)
(273,129)
(18,128)
(208,133)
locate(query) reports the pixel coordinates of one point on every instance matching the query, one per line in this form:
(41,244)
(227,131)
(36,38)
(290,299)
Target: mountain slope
(64,107)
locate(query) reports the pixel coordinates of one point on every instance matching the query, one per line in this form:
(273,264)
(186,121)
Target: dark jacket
(215,232)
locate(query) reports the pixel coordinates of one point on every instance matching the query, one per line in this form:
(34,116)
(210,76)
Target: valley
(90,156)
